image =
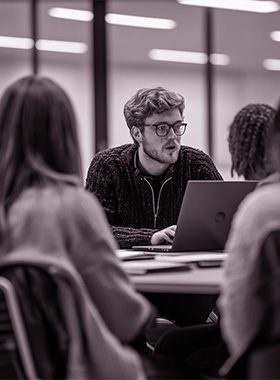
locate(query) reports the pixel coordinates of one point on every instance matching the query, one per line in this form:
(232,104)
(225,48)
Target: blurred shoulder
(50,198)
(77,198)
(259,213)
(264,199)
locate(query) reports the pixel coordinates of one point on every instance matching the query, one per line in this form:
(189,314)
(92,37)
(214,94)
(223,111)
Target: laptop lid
(206,214)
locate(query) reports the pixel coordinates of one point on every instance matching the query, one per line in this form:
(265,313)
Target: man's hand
(164,236)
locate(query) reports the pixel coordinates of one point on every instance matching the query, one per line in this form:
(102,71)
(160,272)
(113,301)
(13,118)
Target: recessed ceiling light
(188,57)
(16,42)
(62,46)
(258,6)
(272,64)
(275,35)
(114,18)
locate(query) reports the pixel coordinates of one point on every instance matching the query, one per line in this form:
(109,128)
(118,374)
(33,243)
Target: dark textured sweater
(128,199)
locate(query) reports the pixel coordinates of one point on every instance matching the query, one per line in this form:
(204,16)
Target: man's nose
(171,134)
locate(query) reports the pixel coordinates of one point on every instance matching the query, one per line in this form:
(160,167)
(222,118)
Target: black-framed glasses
(163,129)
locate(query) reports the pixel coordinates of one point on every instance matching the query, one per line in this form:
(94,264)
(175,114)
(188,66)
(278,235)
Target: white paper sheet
(193,257)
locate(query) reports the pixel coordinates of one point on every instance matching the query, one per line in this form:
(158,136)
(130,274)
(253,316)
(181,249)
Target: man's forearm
(127,237)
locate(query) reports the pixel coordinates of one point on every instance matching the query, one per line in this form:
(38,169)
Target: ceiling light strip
(71,14)
(188,57)
(62,46)
(43,45)
(275,35)
(272,64)
(16,42)
(114,18)
(258,6)
(139,21)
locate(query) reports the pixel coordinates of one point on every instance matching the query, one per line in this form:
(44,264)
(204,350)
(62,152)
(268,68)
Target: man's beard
(155,156)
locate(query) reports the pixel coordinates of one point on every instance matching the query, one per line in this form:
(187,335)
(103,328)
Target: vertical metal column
(34,35)
(209,79)
(100,74)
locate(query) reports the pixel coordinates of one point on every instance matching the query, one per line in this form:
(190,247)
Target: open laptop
(205,216)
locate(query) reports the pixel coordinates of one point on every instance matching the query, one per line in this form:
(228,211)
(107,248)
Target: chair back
(66,333)
(16,361)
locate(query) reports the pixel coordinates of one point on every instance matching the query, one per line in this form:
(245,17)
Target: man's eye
(162,127)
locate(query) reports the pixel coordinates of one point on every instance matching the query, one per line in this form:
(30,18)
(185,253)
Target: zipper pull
(155,220)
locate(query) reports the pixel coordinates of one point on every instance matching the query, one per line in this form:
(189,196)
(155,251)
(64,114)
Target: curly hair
(274,146)
(148,101)
(248,141)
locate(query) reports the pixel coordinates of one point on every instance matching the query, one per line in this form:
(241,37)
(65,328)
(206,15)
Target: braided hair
(248,140)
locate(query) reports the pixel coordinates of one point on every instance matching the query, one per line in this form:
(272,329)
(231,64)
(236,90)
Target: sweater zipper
(156,209)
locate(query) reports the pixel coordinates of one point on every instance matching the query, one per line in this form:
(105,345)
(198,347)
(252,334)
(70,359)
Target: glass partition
(131,67)
(15,41)
(245,38)
(72,69)
(167,49)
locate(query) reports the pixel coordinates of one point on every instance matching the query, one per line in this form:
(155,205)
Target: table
(195,281)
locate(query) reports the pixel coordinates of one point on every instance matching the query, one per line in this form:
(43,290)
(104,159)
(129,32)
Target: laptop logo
(220,217)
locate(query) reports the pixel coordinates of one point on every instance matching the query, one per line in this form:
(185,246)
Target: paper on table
(192,258)
(145,266)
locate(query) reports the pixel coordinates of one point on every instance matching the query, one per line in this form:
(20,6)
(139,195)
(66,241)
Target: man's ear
(136,133)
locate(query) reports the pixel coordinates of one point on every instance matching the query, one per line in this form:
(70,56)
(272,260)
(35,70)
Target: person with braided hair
(249,300)
(248,139)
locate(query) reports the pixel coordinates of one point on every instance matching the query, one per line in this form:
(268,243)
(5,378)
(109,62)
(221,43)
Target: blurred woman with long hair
(44,208)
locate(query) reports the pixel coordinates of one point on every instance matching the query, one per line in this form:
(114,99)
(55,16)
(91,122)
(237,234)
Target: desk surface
(196,281)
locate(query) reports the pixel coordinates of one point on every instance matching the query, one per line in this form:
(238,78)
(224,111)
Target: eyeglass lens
(164,129)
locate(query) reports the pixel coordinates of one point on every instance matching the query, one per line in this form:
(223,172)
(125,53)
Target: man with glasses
(141,185)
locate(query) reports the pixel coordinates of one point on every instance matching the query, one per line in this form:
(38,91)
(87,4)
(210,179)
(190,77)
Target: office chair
(34,343)
(16,361)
